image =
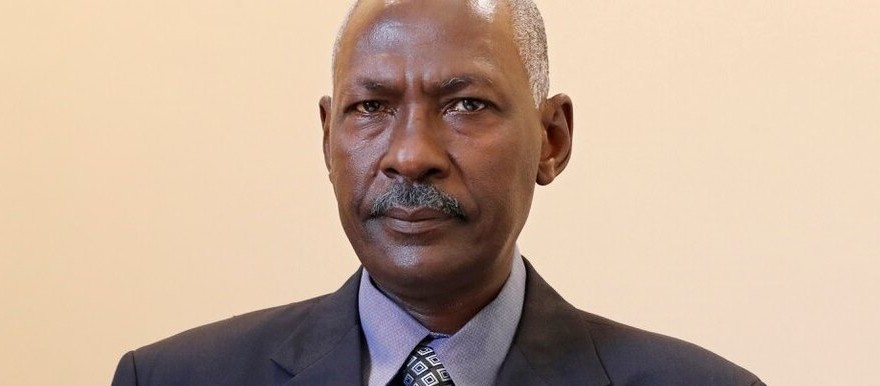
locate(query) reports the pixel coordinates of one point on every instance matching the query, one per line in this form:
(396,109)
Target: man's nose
(416,150)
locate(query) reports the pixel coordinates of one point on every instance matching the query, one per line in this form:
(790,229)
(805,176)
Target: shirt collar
(472,356)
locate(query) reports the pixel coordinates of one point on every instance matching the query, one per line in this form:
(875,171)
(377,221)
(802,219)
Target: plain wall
(161,168)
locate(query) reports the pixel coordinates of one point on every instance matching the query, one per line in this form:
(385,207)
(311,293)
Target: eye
(369,107)
(468,105)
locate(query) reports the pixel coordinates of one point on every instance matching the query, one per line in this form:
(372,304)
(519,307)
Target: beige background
(160,168)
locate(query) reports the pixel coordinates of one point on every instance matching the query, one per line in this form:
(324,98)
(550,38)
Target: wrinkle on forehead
(392,34)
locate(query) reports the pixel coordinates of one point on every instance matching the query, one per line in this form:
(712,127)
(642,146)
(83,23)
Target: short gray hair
(528,34)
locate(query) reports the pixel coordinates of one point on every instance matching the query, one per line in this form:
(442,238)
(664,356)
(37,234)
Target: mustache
(417,195)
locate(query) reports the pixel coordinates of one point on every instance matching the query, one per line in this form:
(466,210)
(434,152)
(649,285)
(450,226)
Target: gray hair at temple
(528,33)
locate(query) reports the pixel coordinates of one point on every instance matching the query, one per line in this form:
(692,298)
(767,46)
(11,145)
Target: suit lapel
(552,345)
(326,347)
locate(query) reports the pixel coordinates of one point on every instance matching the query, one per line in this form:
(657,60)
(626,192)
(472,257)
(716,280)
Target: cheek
(500,172)
(352,168)
(510,154)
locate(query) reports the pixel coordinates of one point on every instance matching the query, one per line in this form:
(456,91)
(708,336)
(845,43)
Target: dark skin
(435,92)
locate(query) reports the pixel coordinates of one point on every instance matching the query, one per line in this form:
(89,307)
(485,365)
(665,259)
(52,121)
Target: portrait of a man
(439,192)
(438,129)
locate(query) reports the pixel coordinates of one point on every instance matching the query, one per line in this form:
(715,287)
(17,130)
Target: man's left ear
(557,123)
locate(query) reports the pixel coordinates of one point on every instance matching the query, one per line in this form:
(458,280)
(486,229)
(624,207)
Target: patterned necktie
(424,369)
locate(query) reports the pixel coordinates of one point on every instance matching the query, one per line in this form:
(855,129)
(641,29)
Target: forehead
(433,38)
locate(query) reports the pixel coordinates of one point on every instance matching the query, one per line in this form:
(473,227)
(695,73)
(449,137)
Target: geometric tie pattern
(424,369)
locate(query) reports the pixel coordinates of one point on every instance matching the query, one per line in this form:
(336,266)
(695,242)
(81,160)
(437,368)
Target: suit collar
(326,347)
(553,344)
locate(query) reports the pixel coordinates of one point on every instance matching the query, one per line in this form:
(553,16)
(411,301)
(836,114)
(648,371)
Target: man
(437,131)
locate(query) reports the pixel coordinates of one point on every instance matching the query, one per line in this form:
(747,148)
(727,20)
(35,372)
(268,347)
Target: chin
(420,263)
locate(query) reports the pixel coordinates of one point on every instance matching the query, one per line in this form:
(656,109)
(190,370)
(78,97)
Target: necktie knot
(423,368)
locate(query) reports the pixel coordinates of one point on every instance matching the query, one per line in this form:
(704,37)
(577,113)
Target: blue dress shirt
(472,356)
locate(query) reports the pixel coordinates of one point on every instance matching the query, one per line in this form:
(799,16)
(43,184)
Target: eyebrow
(372,85)
(445,86)
(457,83)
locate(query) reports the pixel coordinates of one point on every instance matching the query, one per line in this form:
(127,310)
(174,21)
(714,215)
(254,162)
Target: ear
(324,107)
(557,122)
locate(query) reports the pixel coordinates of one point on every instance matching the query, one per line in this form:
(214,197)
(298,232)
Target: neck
(447,311)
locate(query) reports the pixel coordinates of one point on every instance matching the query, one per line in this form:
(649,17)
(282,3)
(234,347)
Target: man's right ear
(324,107)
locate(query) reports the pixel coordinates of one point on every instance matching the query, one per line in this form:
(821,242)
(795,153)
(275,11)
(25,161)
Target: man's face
(431,100)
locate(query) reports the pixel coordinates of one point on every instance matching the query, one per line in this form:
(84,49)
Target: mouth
(415,220)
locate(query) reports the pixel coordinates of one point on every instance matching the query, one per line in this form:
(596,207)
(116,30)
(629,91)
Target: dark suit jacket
(319,342)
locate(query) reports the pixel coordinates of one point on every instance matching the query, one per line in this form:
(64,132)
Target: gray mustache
(418,195)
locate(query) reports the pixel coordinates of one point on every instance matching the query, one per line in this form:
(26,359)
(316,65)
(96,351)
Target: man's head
(434,141)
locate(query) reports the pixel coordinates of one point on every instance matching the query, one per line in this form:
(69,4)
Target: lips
(414,220)
(415,214)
